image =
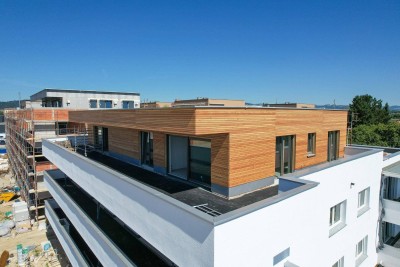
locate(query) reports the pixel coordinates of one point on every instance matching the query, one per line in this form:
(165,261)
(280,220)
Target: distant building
(46,115)
(290,105)
(155,104)
(209,102)
(84,99)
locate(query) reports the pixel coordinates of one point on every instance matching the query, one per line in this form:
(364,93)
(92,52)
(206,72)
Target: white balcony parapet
(104,249)
(392,211)
(169,225)
(74,255)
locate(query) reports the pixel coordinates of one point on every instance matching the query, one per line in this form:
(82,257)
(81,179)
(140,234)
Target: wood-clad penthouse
(230,150)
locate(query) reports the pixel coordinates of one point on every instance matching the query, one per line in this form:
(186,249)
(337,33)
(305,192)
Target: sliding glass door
(190,159)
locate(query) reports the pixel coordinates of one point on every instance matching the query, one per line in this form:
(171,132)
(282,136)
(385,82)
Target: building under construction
(25,129)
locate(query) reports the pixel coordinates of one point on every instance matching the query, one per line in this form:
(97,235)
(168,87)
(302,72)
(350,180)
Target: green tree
(387,135)
(368,110)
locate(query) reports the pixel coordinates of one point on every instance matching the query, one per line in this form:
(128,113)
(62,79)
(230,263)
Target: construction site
(25,129)
(25,235)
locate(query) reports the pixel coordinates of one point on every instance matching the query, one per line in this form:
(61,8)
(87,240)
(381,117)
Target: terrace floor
(180,190)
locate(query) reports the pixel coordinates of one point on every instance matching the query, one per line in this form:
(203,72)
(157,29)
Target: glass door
(284,154)
(147,148)
(333,145)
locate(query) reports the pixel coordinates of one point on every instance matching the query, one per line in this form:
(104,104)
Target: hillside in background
(9,104)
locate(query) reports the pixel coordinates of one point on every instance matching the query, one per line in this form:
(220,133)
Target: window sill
(310,155)
(336,228)
(360,259)
(362,211)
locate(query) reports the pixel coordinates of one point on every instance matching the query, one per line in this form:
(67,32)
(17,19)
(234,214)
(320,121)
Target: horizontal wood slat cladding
(242,139)
(124,141)
(159,149)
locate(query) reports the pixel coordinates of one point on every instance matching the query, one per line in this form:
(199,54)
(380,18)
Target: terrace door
(147,149)
(178,150)
(333,145)
(284,154)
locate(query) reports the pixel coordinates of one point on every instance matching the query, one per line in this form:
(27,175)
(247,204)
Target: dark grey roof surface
(184,192)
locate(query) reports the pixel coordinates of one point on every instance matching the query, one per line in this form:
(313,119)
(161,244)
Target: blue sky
(260,51)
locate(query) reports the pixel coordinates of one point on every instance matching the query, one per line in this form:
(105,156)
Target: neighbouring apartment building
(212,186)
(204,101)
(46,115)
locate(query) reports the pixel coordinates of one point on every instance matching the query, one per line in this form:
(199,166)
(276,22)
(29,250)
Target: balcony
(118,243)
(390,250)
(72,243)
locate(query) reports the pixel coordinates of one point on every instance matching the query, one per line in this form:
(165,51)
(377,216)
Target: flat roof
(82,92)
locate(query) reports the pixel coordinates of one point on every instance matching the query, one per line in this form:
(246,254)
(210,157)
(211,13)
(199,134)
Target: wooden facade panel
(123,141)
(159,149)
(243,141)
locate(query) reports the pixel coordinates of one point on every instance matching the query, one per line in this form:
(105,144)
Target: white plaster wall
(81,100)
(302,222)
(180,235)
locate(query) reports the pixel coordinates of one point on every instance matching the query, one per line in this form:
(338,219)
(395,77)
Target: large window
(147,149)
(100,135)
(128,104)
(333,145)
(92,103)
(311,144)
(361,250)
(339,263)
(200,160)
(337,217)
(363,201)
(190,159)
(284,154)
(105,104)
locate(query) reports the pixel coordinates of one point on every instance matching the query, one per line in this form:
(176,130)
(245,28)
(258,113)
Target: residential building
(200,101)
(25,129)
(290,105)
(85,99)
(389,217)
(155,104)
(211,186)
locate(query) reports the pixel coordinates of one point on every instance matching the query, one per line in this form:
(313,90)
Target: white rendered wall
(81,100)
(301,222)
(182,236)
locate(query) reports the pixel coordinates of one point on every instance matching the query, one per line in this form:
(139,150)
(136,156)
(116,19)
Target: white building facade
(324,215)
(84,99)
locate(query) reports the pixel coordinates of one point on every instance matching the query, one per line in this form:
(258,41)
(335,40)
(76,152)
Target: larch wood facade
(243,140)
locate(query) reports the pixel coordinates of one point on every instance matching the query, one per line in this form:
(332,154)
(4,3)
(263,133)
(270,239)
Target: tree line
(372,123)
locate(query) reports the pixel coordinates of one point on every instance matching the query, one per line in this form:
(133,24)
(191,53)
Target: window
(105,104)
(284,154)
(311,144)
(92,103)
(339,263)
(363,201)
(128,104)
(333,145)
(147,148)
(337,218)
(361,250)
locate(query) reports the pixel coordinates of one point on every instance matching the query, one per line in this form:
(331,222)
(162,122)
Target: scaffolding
(25,129)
